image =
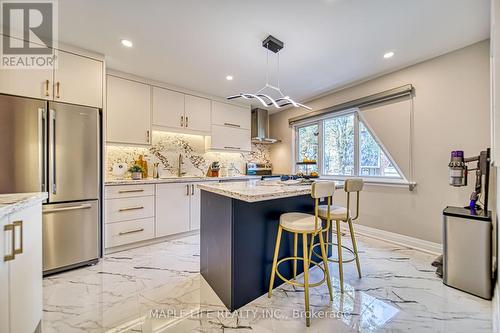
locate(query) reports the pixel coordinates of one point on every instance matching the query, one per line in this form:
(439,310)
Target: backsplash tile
(166,148)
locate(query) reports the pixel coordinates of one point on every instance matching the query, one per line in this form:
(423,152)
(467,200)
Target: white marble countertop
(129,181)
(254,191)
(12,203)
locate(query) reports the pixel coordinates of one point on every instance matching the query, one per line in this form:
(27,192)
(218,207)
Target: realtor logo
(29,34)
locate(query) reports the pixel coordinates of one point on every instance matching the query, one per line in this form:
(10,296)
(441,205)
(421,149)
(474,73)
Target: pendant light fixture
(275,45)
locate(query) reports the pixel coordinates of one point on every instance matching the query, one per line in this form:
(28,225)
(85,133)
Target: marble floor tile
(158,288)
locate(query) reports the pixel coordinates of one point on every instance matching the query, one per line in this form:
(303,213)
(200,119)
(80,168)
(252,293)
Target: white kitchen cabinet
(78,80)
(197,113)
(168,108)
(225,138)
(128,111)
(21,276)
(35,83)
(224,114)
(172,208)
(195,206)
(4,276)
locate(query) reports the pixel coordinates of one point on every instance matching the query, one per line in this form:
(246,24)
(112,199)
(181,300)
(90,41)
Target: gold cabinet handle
(131,191)
(47,82)
(12,255)
(187,189)
(20,225)
(182,121)
(58,84)
(231,125)
(187,121)
(229,147)
(130,232)
(147,136)
(192,189)
(130,208)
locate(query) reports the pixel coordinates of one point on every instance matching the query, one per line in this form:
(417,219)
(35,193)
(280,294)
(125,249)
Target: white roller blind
(390,123)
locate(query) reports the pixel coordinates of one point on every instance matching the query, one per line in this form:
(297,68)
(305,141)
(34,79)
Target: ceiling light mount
(272,44)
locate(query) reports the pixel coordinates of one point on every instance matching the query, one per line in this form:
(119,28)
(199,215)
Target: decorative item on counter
(309,173)
(136,171)
(156,173)
(232,171)
(213,170)
(143,164)
(119,170)
(223,172)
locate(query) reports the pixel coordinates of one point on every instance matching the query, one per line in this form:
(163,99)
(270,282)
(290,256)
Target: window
(344,147)
(307,146)
(339,146)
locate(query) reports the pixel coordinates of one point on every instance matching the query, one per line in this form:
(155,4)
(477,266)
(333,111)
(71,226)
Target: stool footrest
(294,283)
(318,255)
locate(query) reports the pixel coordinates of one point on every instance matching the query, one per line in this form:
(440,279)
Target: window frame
(357,119)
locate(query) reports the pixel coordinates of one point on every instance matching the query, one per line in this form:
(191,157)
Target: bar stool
(343,214)
(305,224)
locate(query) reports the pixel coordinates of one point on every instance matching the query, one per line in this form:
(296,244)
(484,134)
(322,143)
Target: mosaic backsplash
(166,148)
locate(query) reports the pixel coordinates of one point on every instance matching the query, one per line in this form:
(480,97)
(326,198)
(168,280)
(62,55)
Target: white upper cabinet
(128,113)
(35,83)
(168,108)
(224,114)
(197,113)
(229,138)
(78,80)
(175,110)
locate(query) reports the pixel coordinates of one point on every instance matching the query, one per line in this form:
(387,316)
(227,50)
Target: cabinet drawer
(126,191)
(125,209)
(129,232)
(230,115)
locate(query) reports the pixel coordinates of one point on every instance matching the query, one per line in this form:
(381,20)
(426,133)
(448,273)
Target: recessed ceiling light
(389,55)
(127,43)
(229,77)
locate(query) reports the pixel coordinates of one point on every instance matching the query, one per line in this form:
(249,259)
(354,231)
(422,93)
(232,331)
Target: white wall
(451,111)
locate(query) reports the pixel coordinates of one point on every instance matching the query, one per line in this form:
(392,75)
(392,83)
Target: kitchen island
(239,224)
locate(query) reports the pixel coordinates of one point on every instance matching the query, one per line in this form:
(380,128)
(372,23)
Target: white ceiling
(328,43)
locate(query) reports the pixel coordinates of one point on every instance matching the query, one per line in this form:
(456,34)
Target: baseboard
(394,238)
(135,245)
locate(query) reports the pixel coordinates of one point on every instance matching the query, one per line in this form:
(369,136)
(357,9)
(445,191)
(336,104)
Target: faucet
(180,173)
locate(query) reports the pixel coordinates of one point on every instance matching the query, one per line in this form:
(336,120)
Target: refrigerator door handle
(42,139)
(52,117)
(62,209)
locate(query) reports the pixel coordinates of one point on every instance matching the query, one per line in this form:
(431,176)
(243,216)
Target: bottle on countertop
(156,172)
(144,164)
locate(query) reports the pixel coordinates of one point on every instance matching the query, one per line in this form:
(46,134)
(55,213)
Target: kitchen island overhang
(239,224)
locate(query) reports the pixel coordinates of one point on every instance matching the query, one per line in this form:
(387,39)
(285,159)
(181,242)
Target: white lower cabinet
(22,302)
(172,208)
(135,213)
(127,232)
(129,214)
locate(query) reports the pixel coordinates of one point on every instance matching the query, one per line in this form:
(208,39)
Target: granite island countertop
(255,190)
(184,179)
(12,203)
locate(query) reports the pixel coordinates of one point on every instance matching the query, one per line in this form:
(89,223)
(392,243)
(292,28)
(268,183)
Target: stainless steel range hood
(260,127)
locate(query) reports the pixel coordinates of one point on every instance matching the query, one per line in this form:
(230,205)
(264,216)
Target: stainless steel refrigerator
(55,148)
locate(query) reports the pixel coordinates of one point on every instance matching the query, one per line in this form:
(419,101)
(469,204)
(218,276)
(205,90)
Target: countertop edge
(115,182)
(28,200)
